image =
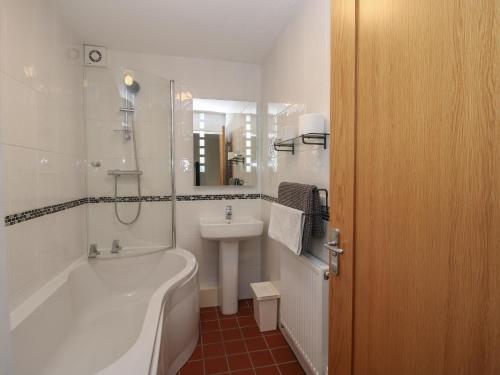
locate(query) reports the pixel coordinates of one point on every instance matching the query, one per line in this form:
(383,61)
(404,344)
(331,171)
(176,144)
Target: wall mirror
(225,142)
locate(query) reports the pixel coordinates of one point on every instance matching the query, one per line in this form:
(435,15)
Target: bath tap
(115,247)
(229,212)
(93,252)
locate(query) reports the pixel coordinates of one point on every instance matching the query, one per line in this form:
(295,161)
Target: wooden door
(415,187)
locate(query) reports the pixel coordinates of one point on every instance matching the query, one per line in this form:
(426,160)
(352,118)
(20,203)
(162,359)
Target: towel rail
(325,209)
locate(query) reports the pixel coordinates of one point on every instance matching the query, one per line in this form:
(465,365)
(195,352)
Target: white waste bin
(265,305)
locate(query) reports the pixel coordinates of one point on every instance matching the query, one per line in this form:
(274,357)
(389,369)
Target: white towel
(286,226)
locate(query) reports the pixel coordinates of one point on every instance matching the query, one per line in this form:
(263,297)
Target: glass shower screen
(128,117)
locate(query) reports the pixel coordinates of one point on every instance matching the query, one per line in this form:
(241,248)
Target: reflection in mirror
(225,142)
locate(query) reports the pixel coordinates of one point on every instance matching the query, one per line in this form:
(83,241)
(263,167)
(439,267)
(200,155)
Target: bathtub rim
(27,307)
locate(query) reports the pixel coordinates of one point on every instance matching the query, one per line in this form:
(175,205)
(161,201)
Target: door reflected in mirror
(225,142)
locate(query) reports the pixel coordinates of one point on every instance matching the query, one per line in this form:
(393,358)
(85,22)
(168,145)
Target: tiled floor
(234,345)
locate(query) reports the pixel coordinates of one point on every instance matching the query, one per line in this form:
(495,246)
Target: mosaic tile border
(39,212)
(269,198)
(215,197)
(48,210)
(130,199)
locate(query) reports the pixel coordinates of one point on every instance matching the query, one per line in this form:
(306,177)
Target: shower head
(131,84)
(134,88)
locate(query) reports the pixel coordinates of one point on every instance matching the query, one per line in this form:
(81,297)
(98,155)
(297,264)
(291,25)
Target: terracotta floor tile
(239,362)
(272,370)
(293,368)
(213,350)
(203,309)
(208,315)
(276,341)
(211,337)
(250,332)
(222,316)
(245,311)
(243,372)
(283,355)
(197,354)
(268,333)
(243,303)
(231,334)
(211,325)
(235,347)
(256,343)
(247,321)
(228,323)
(193,368)
(215,365)
(262,358)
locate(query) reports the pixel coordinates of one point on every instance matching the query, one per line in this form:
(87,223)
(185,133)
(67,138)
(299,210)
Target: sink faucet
(115,247)
(229,212)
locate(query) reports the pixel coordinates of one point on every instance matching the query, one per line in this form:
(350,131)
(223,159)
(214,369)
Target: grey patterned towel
(305,198)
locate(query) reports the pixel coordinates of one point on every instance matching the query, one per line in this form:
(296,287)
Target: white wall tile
(295,78)
(18,39)
(152,229)
(20,178)
(22,258)
(39,249)
(48,185)
(41,131)
(19,113)
(207,254)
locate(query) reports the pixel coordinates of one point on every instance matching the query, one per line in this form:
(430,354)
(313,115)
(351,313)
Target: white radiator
(304,309)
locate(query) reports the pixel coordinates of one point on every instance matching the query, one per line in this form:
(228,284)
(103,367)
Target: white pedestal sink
(229,233)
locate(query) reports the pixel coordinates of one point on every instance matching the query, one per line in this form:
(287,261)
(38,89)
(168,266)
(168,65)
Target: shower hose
(139,194)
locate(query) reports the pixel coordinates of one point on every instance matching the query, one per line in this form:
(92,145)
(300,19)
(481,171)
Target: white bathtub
(103,317)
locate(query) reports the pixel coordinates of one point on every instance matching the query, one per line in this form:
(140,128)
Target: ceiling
(235,30)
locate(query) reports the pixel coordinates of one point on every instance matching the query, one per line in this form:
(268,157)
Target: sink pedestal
(229,232)
(228,276)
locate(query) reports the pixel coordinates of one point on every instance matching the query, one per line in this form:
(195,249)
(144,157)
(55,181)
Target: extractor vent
(95,55)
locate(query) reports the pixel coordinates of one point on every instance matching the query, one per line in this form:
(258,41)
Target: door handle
(333,247)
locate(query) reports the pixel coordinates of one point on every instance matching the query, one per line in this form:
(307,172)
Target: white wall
(5,348)
(295,79)
(41,136)
(195,78)
(4,307)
